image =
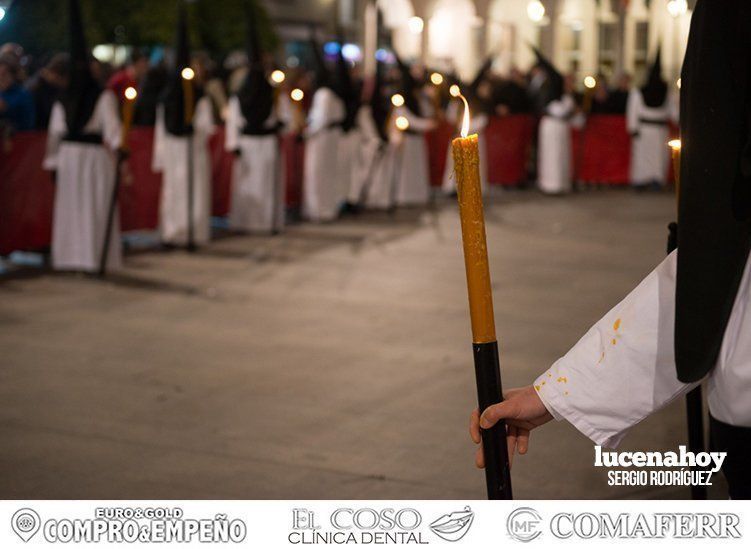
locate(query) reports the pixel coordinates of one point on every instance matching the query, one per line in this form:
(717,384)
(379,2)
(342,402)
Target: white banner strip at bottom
(284,524)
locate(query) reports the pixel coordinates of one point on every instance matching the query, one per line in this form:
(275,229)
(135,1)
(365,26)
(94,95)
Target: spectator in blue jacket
(16,103)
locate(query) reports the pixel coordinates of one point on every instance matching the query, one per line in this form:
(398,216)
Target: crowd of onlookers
(29,87)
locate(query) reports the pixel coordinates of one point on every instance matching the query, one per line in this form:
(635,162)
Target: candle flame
(297,94)
(436,78)
(397,100)
(590,82)
(130,93)
(465,120)
(454,90)
(187,73)
(402,123)
(278,76)
(675,144)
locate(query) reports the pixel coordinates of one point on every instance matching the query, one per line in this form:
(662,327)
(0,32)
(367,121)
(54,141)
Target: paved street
(331,362)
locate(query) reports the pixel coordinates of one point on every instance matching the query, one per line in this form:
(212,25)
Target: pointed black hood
(345,88)
(554,83)
(471,91)
(409,87)
(173,98)
(655,90)
(82,94)
(322,75)
(256,94)
(379,103)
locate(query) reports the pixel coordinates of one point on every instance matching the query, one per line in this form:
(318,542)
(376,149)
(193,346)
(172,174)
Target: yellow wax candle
(188,74)
(675,155)
(467,172)
(130,100)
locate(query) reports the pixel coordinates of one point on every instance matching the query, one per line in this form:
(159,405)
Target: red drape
(602,150)
(26,194)
(438,141)
(140,187)
(509,139)
(293,159)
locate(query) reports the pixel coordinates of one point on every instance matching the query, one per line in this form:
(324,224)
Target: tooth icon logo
(25,523)
(454,526)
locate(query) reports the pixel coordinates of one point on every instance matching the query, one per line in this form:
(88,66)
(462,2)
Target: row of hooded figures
(365,152)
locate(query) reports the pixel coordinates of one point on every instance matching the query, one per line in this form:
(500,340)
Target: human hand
(523,411)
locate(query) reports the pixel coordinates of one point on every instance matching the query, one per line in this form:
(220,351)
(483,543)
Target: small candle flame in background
(675,144)
(297,94)
(402,123)
(465,120)
(436,78)
(187,73)
(277,76)
(130,93)
(455,91)
(590,82)
(397,100)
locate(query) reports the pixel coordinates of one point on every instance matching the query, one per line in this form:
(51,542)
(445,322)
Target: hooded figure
(479,109)
(324,183)
(411,185)
(690,318)
(184,123)
(84,128)
(554,139)
(257,202)
(648,114)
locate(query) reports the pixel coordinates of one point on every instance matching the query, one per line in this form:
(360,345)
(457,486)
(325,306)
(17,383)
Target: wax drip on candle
(465,120)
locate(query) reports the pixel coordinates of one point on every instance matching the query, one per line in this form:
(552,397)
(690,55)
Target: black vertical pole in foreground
(489,391)
(694,406)
(110,216)
(191,198)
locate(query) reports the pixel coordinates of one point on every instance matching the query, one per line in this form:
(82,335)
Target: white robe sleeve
(561,108)
(320,112)
(623,369)
(160,134)
(110,120)
(203,119)
(55,132)
(633,111)
(233,124)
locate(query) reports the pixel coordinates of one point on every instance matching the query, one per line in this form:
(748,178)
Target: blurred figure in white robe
(649,112)
(323,190)
(554,138)
(257,200)
(183,126)
(84,133)
(410,157)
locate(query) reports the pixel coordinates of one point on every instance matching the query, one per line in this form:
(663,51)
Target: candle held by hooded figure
(484,343)
(84,128)
(183,126)
(257,203)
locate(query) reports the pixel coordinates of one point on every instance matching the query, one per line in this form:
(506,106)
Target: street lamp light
(677,7)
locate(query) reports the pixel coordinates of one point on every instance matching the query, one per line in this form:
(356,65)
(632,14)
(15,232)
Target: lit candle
(130,101)
(485,347)
(188,75)
(675,155)
(589,83)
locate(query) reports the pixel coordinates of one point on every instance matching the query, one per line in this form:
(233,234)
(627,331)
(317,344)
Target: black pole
(694,406)
(191,237)
(489,392)
(276,189)
(394,191)
(365,191)
(110,217)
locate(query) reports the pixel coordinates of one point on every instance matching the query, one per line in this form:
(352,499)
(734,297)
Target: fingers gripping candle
(484,345)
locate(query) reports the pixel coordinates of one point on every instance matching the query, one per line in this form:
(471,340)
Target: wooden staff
(484,344)
(130,100)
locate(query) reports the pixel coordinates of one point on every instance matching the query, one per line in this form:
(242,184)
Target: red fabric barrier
(293,159)
(221,174)
(141,188)
(438,141)
(27,194)
(602,150)
(509,140)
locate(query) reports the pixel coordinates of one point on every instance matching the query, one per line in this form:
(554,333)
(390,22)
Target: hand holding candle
(485,348)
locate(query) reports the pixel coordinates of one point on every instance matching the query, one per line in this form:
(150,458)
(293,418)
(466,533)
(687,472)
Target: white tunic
(411,159)
(85,180)
(554,147)
(369,154)
(171,158)
(649,150)
(623,369)
(323,190)
(257,201)
(477,125)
